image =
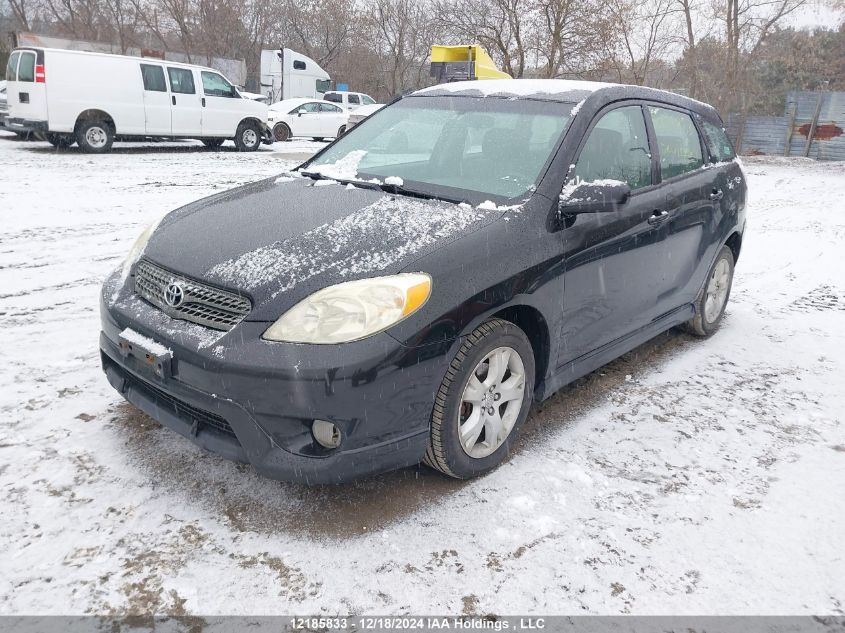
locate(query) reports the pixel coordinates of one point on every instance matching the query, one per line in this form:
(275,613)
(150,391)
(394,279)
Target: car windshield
(450,146)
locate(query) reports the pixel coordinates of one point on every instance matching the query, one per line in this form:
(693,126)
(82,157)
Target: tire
(341,131)
(708,316)
(60,141)
(94,137)
(212,143)
(446,452)
(248,136)
(281,132)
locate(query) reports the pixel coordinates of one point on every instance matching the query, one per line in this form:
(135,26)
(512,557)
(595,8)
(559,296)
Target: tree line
(739,55)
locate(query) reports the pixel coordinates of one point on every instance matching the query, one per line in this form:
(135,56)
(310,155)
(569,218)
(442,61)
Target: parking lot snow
(688,476)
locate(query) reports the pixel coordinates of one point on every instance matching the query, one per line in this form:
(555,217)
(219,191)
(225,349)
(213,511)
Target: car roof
(563,90)
(146,60)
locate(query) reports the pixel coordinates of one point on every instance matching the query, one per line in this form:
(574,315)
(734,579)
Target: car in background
(499,240)
(359,114)
(306,117)
(349,100)
(4,104)
(255,96)
(94,99)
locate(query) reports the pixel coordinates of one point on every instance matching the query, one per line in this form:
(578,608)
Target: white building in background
(286,74)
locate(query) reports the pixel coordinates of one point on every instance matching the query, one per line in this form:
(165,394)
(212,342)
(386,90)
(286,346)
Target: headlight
(352,310)
(138,247)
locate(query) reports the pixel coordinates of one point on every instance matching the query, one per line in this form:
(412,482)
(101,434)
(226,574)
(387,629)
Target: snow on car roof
(516,87)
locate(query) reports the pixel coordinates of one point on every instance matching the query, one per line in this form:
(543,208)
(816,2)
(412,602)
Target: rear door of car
(332,118)
(157,104)
(185,101)
(609,287)
(26,88)
(691,193)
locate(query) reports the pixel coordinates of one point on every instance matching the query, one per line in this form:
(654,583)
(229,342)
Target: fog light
(326,434)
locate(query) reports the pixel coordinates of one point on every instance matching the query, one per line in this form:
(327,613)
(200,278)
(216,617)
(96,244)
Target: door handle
(716,194)
(658,216)
(173,99)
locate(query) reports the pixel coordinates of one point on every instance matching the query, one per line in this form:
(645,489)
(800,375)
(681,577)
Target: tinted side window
(308,107)
(153,78)
(677,142)
(12,67)
(354,99)
(181,81)
(717,141)
(26,69)
(328,107)
(333,97)
(617,149)
(298,64)
(215,85)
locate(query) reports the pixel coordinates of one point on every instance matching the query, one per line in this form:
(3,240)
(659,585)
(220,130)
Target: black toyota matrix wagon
(407,293)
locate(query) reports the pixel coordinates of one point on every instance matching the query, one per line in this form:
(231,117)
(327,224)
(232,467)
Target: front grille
(185,411)
(200,303)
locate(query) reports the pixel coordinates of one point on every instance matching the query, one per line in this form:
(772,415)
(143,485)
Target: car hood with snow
(278,240)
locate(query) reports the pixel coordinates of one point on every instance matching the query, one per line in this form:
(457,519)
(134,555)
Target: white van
(94,99)
(351,100)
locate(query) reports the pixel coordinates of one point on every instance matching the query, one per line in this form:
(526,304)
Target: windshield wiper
(402,190)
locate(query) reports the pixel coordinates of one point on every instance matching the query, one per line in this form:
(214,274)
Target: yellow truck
(459,63)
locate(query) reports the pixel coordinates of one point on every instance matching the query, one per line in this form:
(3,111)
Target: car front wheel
(711,301)
(281,132)
(248,136)
(483,400)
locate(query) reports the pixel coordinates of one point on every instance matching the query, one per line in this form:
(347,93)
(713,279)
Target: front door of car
(156,101)
(185,103)
(609,257)
(692,195)
(223,107)
(307,119)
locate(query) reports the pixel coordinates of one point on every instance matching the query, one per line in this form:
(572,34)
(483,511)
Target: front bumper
(252,401)
(26,125)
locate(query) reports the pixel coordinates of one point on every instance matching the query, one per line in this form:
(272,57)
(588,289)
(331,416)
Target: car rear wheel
(94,137)
(248,136)
(212,142)
(483,400)
(341,131)
(711,301)
(281,132)
(60,141)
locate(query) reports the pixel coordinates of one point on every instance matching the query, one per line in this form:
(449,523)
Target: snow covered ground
(687,477)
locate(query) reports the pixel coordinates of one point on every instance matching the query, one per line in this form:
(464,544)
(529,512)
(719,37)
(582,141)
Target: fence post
(790,124)
(813,125)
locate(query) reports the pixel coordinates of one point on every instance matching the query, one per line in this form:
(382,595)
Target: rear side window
(12,67)
(328,107)
(368,100)
(153,78)
(215,85)
(26,69)
(717,141)
(677,142)
(333,97)
(181,81)
(354,99)
(617,149)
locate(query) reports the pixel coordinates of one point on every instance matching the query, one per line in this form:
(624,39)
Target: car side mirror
(600,196)
(300,112)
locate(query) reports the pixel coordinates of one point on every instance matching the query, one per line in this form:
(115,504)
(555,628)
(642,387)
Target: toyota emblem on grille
(174,295)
